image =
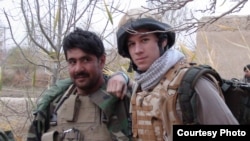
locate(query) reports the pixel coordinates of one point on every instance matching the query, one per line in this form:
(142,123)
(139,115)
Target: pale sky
(127,4)
(18,28)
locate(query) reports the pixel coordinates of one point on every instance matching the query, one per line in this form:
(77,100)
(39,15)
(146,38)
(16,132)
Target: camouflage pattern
(54,91)
(40,124)
(115,110)
(154,112)
(117,124)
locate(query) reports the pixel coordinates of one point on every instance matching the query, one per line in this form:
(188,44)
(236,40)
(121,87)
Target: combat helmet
(140,18)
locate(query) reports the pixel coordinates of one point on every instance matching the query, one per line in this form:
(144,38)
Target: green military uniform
(115,117)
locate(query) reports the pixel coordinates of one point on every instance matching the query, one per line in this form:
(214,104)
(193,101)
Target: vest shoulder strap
(113,107)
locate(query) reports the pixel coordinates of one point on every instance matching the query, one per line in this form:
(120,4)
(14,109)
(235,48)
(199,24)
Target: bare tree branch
(41,26)
(18,44)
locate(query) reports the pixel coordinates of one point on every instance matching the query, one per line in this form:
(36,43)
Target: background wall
(225,45)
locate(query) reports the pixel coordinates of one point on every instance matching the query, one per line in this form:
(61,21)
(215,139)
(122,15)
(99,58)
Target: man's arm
(118,84)
(212,108)
(53,92)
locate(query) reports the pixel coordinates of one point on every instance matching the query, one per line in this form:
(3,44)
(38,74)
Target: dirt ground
(15,115)
(16,108)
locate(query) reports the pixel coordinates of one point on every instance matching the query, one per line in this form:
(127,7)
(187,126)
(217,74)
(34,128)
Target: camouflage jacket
(42,114)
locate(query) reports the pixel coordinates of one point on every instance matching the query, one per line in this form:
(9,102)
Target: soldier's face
(85,69)
(143,49)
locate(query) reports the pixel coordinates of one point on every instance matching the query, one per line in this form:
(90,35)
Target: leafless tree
(187,21)
(47,22)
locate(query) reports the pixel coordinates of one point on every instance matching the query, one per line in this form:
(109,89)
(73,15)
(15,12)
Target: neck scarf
(158,69)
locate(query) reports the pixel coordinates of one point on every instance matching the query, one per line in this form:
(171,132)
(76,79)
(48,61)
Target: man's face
(247,73)
(85,69)
(143,49)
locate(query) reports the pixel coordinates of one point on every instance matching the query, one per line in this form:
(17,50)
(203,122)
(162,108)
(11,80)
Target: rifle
(235,83)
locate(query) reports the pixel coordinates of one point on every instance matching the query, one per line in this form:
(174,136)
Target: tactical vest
(154,112)
(80,119)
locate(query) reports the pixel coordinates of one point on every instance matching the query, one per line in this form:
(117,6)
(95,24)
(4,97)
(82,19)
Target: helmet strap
(162,38)
(130,67)
(162,48)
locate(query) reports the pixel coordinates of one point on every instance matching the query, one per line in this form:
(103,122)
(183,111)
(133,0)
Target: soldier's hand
(117,85)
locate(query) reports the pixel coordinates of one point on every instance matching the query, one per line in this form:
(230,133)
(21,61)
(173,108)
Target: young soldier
(148,43)
(85,111)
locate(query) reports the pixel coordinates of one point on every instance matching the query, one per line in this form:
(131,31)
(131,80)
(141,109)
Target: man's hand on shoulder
(117,84)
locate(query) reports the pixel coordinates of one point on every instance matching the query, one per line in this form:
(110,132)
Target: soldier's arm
(53,92)
(41,119)
(210,101)
(119,84)
(41,116)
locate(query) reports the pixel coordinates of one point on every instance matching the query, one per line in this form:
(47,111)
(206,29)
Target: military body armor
(86,118)
(154,112)
(79,119)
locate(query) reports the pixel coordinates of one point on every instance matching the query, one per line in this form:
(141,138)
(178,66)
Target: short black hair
(247,67)
(85,40)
